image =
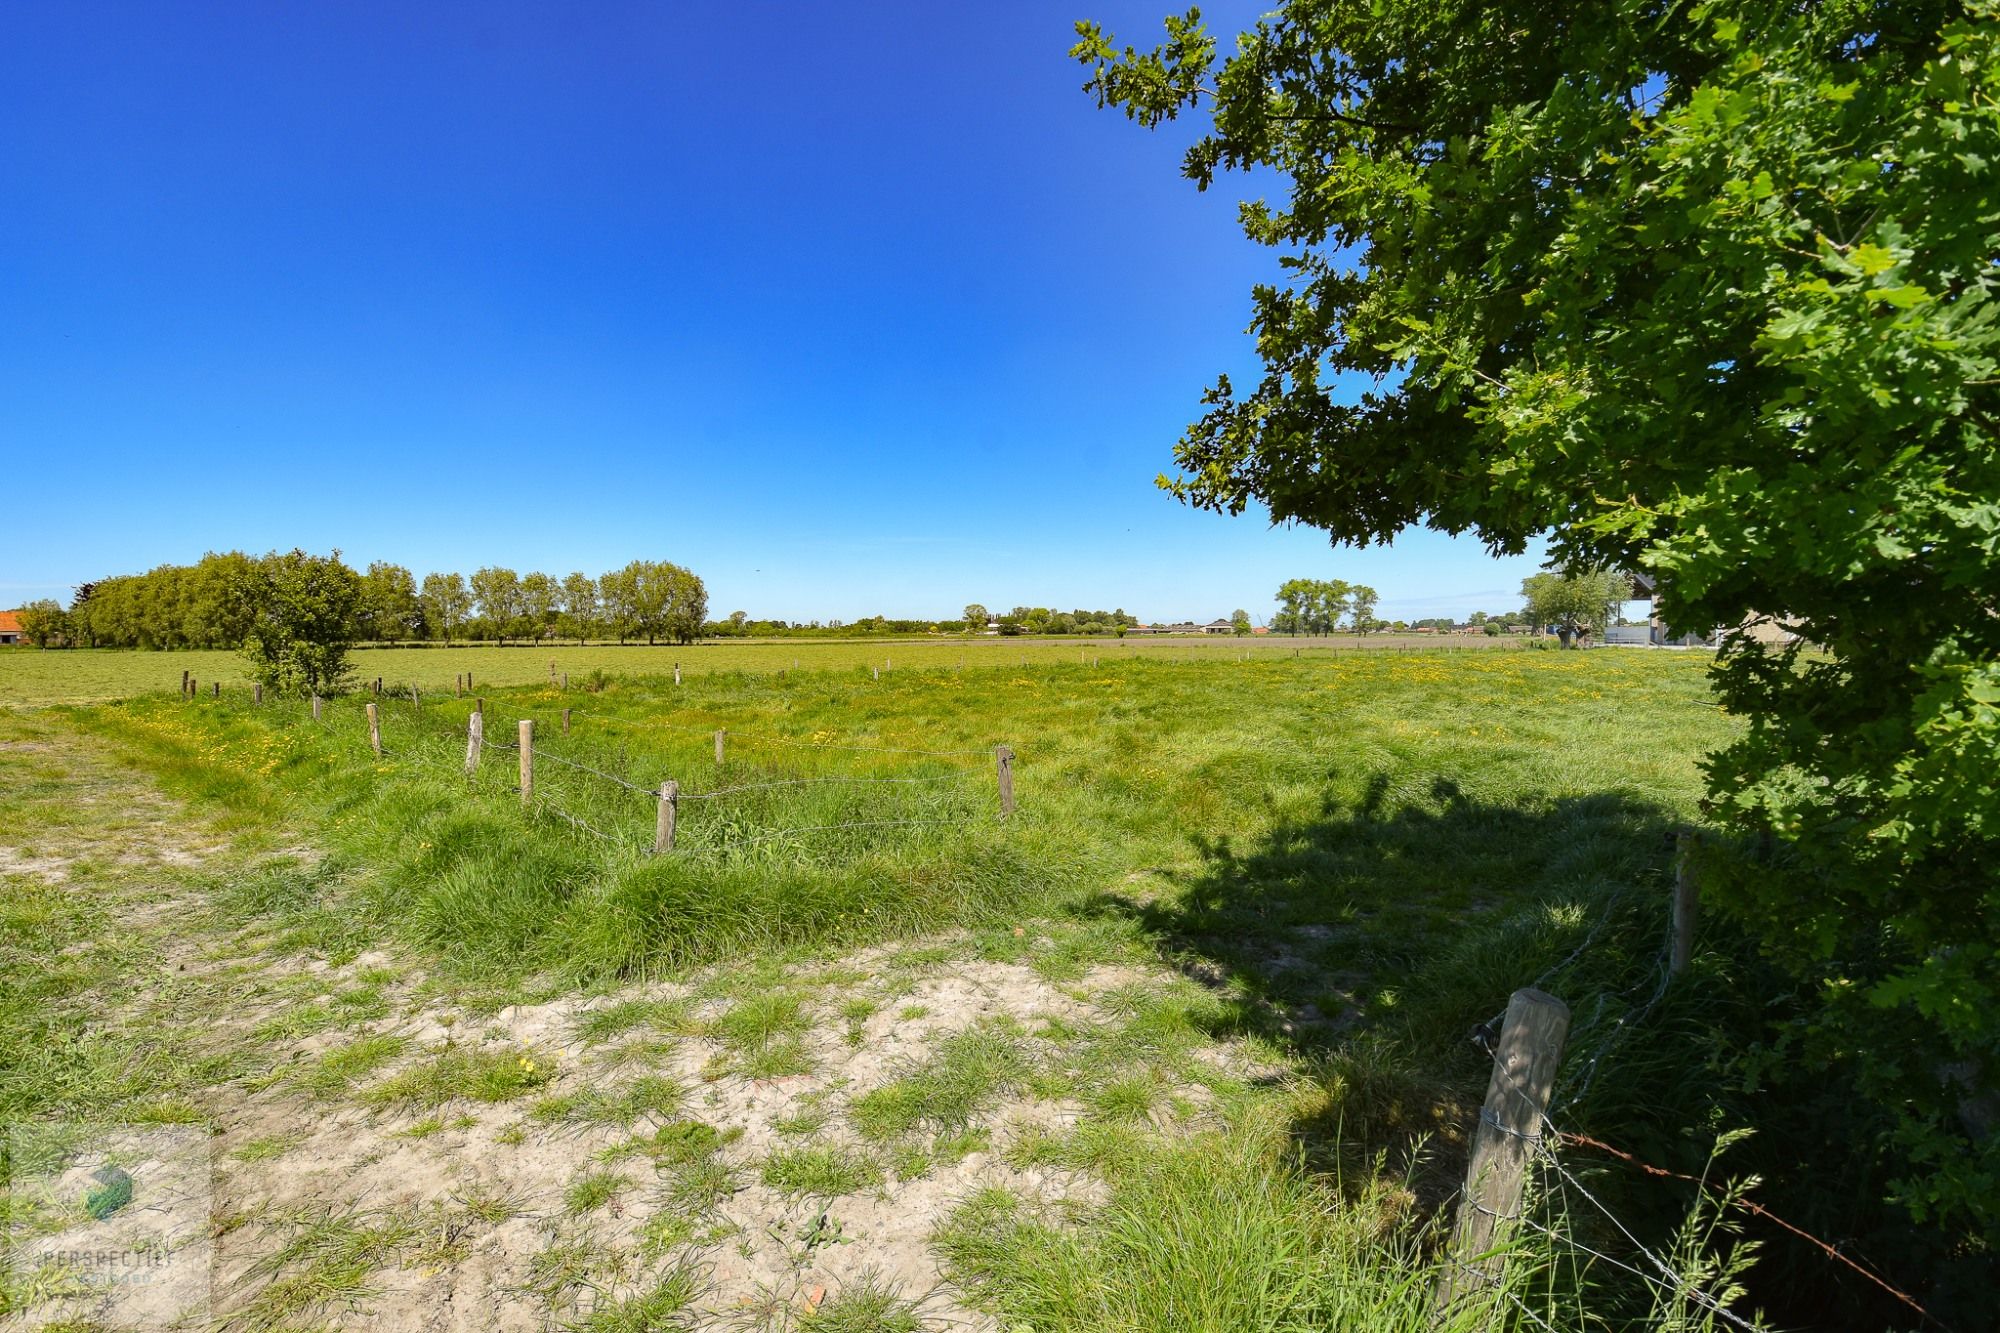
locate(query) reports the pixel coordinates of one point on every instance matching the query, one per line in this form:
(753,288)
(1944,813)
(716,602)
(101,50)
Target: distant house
(1646,587)
(1178,627)
(10,627)
(1219,627)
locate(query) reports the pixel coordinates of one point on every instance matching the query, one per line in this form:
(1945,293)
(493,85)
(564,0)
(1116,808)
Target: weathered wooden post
(475,741)
(315,708)
(194,688)
(257,693)
(458,685)
(1686,900)
(565,682)
(468,680)
(374,731)
(1509,1130)
(565,721)
(378,687)
(1004,758)
(720,734)
(677,673)
(184,683)
(877,671)
(215,689)
(552,671)
(663,826)
(527,760)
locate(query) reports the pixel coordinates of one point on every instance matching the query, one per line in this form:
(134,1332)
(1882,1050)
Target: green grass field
(1315,874)
(33,676)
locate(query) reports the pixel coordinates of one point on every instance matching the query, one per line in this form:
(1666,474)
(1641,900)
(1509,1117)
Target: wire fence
(597,803)
(1554,1184)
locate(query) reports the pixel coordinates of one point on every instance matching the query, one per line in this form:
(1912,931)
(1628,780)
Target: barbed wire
(647,792)
(809,782)
(1542,1147)
(753,736)
(552,808)
(1750,1206)
(827,828)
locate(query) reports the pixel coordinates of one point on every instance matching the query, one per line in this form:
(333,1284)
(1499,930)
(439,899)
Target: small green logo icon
(112,1192)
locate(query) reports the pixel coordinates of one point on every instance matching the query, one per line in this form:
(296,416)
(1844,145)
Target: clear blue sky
(849,308)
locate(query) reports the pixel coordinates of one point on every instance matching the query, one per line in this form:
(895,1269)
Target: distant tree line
(975,619)
(217,602)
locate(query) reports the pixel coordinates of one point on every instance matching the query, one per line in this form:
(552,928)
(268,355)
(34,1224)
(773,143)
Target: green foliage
(304,624)
(390,608)
(1576,603)
(446,602)
(44,623)
(653,599)
(1312,606)
(1708,291)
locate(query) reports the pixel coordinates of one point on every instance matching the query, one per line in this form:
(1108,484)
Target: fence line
(1749,1206)
(429,731)
(827,828)
(1541,1149)
(806,782)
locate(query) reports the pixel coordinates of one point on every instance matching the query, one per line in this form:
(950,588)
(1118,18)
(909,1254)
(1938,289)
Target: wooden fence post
(552,671)
(527,760)
(677,673)
(184,683)
(565,682)
(719,735)
(1003,757)
(475,741)
(1686,898)
(468,680)
(565,721)
(215,689)
(670,808)
(1509,1130)
(257,693)
(378,687)
(374,731)
(194,688)
(458,685)
(315,708)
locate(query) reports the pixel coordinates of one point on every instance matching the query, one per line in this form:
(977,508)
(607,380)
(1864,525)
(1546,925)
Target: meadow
(1263,903)
(92,675)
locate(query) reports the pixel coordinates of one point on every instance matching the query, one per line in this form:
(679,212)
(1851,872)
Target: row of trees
(216,603)
(1318,606)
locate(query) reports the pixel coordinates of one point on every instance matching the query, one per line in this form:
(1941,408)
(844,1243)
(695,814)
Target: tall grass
(1131,765)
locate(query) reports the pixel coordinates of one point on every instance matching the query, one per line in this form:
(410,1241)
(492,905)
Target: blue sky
(848,308)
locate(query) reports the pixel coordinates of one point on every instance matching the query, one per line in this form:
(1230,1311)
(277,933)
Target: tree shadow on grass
(1374,937)
(1374,940)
